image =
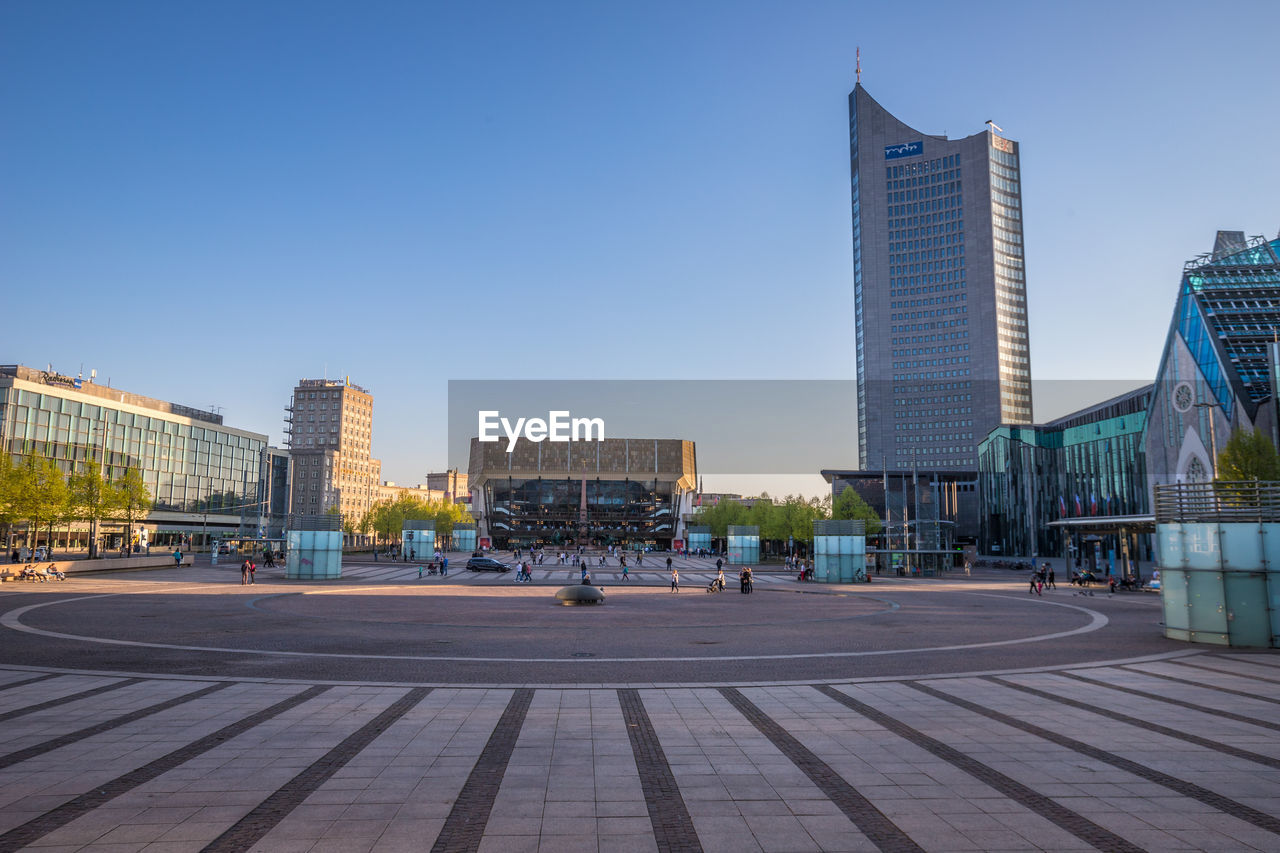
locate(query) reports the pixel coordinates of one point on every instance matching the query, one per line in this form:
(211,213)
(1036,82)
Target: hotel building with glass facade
(939,290)
(201,473)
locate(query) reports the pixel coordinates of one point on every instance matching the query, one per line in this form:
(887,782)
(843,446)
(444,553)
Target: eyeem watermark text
(559,426)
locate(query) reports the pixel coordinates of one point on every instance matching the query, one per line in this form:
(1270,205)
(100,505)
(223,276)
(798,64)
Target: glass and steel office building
(939,290)
(201,473)
(1091,463)
(1219,367)
(619,491)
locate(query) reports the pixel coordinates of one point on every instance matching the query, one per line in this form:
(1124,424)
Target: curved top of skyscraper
(939,290)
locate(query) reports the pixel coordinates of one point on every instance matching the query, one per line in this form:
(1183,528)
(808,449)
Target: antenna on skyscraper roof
(857,64)
(997,128)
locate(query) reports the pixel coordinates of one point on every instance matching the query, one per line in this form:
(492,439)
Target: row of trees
(792,517)
(34,491)
(386,520)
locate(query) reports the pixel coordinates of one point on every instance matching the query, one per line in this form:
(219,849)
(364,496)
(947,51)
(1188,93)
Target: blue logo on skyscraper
(906,149)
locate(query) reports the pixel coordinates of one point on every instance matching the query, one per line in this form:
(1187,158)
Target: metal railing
(1246,500)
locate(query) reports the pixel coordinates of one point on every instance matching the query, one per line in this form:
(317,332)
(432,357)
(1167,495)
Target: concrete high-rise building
(939,290)
(330,430)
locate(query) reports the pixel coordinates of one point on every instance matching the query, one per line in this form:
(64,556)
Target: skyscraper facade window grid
(940,325)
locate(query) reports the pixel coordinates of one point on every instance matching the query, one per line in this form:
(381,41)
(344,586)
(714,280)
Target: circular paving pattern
(470,633)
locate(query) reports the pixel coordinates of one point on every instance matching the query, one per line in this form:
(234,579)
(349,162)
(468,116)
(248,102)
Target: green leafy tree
(133,499)
(720,516)
(9,504)
(849,505)
(92,499)
(41,495)
(1249,456)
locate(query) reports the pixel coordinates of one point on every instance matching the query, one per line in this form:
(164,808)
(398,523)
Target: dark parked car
(486,564)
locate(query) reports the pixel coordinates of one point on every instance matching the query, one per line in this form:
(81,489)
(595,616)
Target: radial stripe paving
(267,814)
(936,802)
(464,827)
(105,792)
(872,822)
(107,725)
(1235,666)
(1144,717)
(1184,703)
(399,789)
(1211,798)
(1198,682)
(71,697)
(668,815)
(12,678)
(1073,822)
(1200,673)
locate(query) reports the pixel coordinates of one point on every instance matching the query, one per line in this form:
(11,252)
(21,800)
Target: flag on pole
(1062,506)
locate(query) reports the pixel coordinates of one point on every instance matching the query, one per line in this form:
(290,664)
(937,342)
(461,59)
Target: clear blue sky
(207,201)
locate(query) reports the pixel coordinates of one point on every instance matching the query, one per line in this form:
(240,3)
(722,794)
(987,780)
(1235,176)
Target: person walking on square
(751,581)
(177,558)
(1049,569)
(668,562)
(675,580)
(244,572)
(742,580)
(1033,590)
(625,576)
(253,571)
(720,578)
(444,565)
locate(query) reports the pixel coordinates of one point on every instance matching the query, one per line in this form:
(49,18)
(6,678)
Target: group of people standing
(1040,578)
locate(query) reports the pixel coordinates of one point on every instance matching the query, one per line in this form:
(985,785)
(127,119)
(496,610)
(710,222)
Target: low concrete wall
(119,564)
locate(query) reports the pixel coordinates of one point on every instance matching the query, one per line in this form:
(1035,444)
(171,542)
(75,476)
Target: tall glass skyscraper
(939,290)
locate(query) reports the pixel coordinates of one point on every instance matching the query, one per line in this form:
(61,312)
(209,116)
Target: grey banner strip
(266,815)
(1241,693)
(1181,703)
(1146,725)
(464,827)
(37,828)
(107,725)
(879,829)
(83,694)
(1061,816)
(672,826)
(1187,789)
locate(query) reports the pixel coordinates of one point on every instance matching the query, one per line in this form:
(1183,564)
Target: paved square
(179,710)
